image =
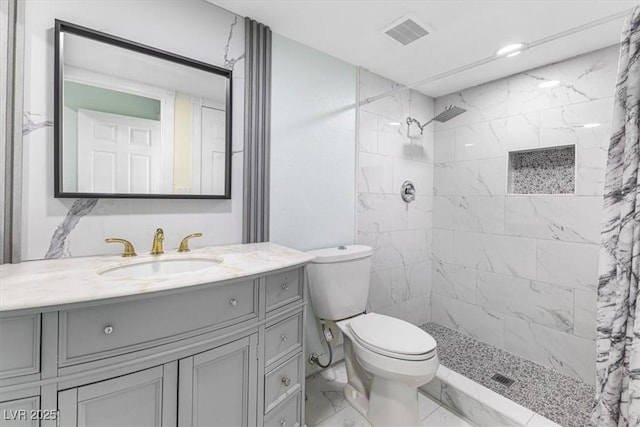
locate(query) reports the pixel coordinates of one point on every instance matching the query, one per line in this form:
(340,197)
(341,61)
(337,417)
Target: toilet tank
(339,281)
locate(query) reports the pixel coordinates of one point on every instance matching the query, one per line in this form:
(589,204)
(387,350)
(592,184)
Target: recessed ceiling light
(592,125)
(549,83)
(395,124)
(511,50)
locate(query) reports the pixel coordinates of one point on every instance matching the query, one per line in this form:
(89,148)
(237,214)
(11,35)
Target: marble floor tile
(324,395)
(442,417)
(426,406)
(348,417)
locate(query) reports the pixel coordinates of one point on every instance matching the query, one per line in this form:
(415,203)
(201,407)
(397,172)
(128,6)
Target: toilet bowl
(397,358)
(387,359)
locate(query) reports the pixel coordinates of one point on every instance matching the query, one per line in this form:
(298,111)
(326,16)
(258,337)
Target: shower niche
(549,170)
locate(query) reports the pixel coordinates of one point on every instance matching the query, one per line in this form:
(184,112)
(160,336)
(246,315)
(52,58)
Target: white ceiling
(461,32)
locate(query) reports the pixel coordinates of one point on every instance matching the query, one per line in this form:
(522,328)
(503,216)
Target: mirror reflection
(136,124)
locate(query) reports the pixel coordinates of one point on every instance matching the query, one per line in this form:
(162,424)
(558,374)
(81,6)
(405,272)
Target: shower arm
(411,120)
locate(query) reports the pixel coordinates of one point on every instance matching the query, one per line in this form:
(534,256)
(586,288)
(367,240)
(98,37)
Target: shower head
(449,113)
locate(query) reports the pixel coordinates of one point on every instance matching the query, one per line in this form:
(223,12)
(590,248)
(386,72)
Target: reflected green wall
(77,95)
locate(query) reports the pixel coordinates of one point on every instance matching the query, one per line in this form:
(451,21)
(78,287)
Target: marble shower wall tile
(494,138)
(534,258)
(575,115)
(470,319)
(375,174)
(483,103)
(397,248)
(485,177)
(591,164)
(442,245)
(394,107)
(583,78)
(400,233)
(420,173)
(379,290)
(555,134)
(418,310)
(537,302)
(482,213)
(381,212)
(567,264)
(445,145)
(569,219)
(584,323)
(454,281)
(513,256)
(563,352)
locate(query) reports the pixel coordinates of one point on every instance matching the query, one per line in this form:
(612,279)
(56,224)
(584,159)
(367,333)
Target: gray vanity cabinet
(146,398)
(218,387)
(227,354)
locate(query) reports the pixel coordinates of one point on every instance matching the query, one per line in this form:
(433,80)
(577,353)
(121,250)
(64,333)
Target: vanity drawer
(282,338)
(22,356)
(283,288)
(286,415)
(283,381)
(106,330)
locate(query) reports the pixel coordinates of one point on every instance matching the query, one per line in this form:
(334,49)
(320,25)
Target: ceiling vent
(405,31)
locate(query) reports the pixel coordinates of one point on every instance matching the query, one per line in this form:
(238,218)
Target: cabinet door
(21,412)
(141,399)
(219,387)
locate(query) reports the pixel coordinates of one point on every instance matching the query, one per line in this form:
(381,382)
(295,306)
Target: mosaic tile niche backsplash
(543,171)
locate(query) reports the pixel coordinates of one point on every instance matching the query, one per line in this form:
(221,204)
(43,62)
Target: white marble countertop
(63,281)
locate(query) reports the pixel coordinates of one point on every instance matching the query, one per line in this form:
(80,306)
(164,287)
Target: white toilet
(387,358)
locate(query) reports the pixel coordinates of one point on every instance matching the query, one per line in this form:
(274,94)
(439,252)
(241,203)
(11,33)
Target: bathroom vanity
(104,341)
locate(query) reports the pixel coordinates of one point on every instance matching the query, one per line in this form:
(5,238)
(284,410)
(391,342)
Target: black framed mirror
(133,121)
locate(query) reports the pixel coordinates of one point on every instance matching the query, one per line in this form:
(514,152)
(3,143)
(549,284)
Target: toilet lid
(392,336)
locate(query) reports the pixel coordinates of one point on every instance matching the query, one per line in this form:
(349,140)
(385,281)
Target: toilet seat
(391,337)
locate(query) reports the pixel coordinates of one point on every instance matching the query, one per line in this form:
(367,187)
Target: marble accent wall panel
(400,233)
(516,270)
(65,227)
(543,171)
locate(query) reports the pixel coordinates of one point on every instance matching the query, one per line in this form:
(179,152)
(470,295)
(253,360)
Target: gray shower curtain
(618,332)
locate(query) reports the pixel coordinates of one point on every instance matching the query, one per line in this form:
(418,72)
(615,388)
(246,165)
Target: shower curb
(480,405)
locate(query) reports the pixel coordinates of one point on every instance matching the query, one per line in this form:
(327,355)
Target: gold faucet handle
(158,238)
(128,247)
(184,244)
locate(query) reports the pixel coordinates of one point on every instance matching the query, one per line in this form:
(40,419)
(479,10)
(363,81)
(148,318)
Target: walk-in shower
(449,113)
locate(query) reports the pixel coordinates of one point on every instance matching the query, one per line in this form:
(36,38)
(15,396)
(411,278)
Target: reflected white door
(118,154)
(213,148)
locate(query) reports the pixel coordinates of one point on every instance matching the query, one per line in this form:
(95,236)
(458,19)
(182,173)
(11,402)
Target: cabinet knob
(283,337)
(108,330)
(286,381)
(283,423)
(285,285)
(233,302)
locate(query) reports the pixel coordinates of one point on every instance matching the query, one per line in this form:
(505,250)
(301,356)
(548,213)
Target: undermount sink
(161,267)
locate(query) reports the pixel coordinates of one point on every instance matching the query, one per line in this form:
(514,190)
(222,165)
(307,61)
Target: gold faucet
(184,244)
(158,238)
(128,247)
